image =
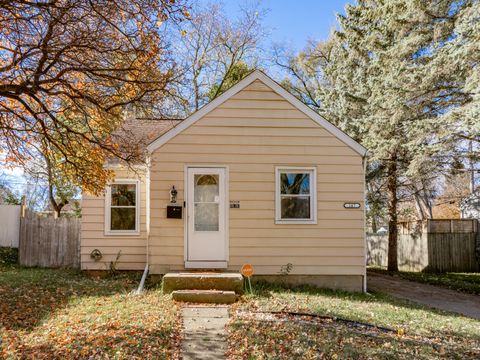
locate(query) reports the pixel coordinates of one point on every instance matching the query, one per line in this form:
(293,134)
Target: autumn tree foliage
(68,70)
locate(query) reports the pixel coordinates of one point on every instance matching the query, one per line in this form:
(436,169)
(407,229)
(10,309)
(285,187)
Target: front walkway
(425,294)
(204,334)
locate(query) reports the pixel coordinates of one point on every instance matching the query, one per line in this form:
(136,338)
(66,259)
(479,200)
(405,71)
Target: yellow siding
(251,133)
(133,248)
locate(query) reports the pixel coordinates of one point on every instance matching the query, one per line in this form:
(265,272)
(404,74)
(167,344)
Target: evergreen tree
(401,77)
(391,83)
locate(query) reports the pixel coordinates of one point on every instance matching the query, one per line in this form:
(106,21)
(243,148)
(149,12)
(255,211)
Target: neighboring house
(470,206)
(261,179)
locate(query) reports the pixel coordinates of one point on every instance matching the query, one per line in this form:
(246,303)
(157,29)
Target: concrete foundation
(335,282)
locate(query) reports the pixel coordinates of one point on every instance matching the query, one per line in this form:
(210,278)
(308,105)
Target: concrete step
(205,296)
(203,281)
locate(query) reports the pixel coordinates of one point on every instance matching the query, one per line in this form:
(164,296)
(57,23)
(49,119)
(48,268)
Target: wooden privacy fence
(432,245)
(439,226)
(49,242)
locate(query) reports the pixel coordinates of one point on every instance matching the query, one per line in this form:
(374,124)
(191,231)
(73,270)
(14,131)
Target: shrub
(8,256)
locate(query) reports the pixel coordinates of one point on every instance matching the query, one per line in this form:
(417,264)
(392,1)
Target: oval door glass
(206,202)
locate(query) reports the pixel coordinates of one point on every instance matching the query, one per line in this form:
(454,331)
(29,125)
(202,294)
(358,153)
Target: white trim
(147,210)
(198,264)
(206,264)
(227,213)
(108,200)
(257,75)
(364,161)
(313,194)
(185,213)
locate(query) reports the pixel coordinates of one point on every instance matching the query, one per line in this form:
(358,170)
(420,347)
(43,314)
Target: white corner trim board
(257,75)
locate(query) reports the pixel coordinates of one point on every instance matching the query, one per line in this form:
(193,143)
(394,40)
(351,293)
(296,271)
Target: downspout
(364,161)
(147,214)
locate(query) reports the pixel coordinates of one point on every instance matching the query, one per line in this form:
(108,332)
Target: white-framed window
(122,207)
(295,195)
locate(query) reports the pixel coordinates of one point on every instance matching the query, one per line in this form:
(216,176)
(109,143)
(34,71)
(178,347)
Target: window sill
(122,233)
(297,222)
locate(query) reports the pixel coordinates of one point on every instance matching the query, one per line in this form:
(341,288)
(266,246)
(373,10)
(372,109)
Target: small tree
(237,73)
(60,189)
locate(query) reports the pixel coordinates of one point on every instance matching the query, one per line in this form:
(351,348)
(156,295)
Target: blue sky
(295,21)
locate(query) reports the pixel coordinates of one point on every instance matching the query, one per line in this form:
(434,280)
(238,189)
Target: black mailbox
(174,212)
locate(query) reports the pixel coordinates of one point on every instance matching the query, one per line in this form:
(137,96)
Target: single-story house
(256,177)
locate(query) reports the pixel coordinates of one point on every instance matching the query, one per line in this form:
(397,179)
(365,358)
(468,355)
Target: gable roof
(257,75)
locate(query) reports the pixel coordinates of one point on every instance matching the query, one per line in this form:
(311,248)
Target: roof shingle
(136,133)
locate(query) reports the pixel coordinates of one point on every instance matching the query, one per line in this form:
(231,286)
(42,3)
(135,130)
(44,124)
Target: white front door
(206,217)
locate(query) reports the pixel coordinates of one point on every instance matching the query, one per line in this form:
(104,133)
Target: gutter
(147,214)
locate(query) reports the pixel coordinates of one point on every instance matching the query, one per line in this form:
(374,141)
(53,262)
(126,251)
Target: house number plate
(234,204)
(351,205)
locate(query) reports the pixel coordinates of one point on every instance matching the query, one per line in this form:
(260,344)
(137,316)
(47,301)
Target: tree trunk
(56,209)
(426,200)
(392,215)
(56,206)
(418,205)
(371,201)
(197,96)
(374,224)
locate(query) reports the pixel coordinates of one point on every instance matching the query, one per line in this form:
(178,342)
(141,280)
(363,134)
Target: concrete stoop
(203,287)
(205,296)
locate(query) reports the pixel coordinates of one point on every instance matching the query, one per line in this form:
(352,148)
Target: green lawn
(465,282)
(415,332)
(62,314)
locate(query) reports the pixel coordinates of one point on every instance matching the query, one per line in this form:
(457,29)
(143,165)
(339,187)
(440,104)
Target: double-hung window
(122,207)
(295,195)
